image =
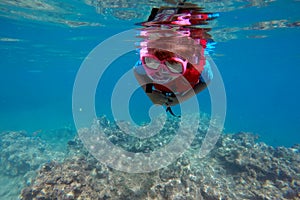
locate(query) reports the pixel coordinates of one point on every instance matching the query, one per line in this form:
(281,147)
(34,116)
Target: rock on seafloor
(21,153)
(238,167)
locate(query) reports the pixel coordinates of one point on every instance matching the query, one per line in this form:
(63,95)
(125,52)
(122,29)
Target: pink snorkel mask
(162,71)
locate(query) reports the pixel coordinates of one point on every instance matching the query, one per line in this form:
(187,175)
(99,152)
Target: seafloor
(239,167)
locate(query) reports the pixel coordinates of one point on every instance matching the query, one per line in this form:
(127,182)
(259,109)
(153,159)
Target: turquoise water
(257,52)
(44,43)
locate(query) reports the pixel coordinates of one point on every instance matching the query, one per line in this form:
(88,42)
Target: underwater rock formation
(21,153)
(238,167)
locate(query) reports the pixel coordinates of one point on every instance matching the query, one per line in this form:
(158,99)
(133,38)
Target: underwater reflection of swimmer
(173,66)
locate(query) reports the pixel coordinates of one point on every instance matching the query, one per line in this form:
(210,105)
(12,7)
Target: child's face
(163,66)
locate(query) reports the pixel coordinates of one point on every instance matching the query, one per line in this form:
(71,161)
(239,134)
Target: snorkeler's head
(163,66)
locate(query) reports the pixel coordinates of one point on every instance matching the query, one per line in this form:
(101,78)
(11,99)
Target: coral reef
(21,153)
(238,167)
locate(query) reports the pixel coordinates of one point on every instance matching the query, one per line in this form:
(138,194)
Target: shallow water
(43,44)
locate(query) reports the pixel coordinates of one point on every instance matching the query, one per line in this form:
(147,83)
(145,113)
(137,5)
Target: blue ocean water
(42,46)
